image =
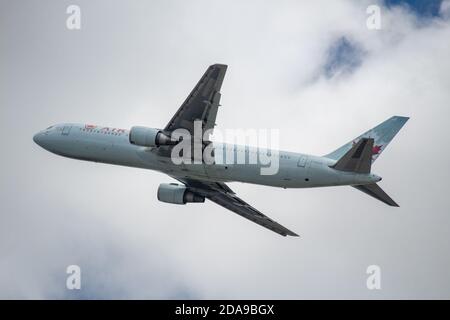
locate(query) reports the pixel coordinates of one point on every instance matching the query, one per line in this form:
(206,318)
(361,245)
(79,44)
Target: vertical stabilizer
(381,134)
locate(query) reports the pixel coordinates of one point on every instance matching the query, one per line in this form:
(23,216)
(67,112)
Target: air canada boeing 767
(151,148)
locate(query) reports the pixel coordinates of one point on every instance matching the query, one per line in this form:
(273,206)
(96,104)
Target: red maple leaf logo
(376,149)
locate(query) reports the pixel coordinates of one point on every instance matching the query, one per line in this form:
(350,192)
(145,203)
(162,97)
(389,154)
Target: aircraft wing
(221,194)
(202,103)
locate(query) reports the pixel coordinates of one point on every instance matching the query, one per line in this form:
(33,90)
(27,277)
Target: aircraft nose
(38,138)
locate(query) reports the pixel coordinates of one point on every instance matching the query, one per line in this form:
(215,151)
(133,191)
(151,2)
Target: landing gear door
(66,130)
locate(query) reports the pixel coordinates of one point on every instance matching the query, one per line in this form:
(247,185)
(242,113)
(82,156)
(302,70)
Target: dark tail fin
(358,159)
(375,191)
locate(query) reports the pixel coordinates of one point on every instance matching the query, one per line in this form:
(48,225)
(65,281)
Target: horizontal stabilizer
(375,191)
(358,159)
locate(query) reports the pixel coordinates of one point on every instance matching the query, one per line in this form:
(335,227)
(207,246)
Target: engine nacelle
(177,194)
(149,137)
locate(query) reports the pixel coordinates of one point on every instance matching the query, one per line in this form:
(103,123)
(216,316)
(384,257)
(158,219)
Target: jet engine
(149,137)
(177,194)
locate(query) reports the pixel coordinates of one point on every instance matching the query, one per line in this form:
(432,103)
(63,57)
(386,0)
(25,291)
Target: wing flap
(221,194)
(202,103)
(243,209)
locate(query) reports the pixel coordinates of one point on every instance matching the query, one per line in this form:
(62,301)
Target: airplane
(150,148)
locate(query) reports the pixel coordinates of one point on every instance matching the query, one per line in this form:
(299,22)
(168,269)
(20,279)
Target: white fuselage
(112,146)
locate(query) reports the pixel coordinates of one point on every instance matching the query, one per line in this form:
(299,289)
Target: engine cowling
(149,137)
(177,194)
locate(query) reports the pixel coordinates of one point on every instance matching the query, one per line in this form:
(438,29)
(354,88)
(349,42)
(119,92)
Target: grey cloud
(343,57)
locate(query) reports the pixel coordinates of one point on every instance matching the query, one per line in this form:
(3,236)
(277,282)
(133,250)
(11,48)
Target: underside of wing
(221,194)
(202,103)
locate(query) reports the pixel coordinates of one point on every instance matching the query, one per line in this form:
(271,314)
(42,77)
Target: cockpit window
(49,128)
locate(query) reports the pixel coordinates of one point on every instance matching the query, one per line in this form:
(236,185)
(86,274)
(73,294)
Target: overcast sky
(309,68)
